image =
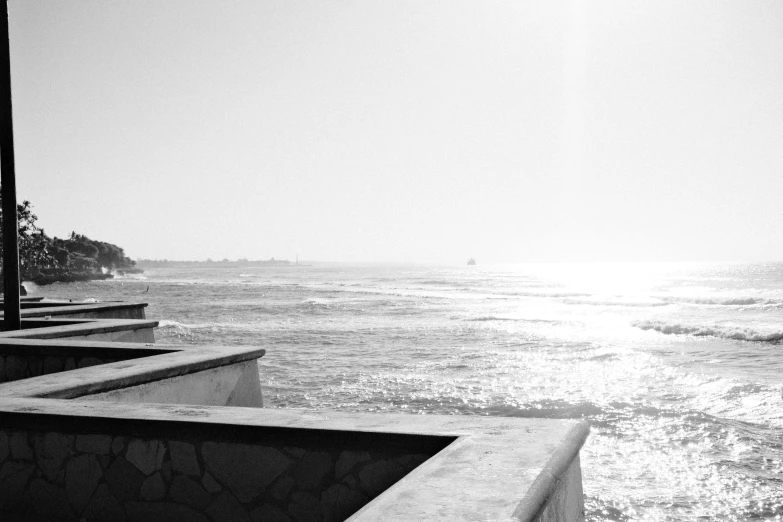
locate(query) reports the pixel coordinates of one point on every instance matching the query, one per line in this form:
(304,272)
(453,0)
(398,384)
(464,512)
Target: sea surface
(678,368)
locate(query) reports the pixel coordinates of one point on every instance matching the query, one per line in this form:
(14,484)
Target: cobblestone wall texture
(90,477)
(15,367)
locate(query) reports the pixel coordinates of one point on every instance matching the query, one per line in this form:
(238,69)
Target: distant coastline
(159,263)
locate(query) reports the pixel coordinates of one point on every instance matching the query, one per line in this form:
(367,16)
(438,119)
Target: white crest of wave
(725,301)
(736,333)
(631,301)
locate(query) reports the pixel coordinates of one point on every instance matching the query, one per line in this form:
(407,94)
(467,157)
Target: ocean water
(678,368)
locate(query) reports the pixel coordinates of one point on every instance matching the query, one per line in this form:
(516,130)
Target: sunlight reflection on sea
(676,367)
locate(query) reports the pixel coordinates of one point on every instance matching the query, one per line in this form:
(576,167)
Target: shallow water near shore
(676,367)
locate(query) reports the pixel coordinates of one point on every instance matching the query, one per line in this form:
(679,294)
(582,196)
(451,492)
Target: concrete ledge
(131,330)
(100,310)
(459,467)
(103,430)
(173,362)
(236,384)
(83,348)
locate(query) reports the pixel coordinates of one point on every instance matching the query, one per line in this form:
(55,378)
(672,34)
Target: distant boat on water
(471,261)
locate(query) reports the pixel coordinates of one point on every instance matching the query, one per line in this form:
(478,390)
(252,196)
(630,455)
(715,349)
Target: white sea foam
(617,301)
(736,333)
(723,301)
(135,277)
(177,325)
(501,318)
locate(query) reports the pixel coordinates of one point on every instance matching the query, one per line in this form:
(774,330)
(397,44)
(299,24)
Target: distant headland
(45,260)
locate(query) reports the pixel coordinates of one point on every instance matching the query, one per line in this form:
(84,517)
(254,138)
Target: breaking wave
(177,325)
(494,318)
(619,301)
(725,301)
(497,318)
(735,333)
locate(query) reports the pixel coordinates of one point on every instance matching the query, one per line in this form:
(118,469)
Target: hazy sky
(427,131)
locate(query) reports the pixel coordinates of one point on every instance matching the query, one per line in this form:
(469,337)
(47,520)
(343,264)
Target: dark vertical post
(12,319)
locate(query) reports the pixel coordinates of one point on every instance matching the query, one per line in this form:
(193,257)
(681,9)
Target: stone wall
(14,366)
(100,476)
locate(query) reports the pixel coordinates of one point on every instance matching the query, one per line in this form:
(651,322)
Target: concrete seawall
(102,430)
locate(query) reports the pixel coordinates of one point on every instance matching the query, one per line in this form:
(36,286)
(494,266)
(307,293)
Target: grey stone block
(376,477)
(312,469)
(162,512)
(145,454)
(53,364)
(124,479)
(20,449)
(51,450)
(350,482)
(165,470)
(103,506)
(160,456)
(5,448)
(50,500)
(209,483)
(183,458)
(339,502)
(185,490)
(245,470)
(269,513)
(304,507)
(13,480)
(296,452)
(283,487)
(97,444)
(81,478)
(84,362)
(15,368)
(105,461)
(347,460)
(226,508)
(35,365)
(153,488)
(117,445)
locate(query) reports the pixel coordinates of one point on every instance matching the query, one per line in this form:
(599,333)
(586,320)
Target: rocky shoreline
(50,276)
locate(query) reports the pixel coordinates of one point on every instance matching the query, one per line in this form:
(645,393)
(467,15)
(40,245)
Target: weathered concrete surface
(177,361)
(121,330)
(247,390)
(564,502)
(113,457)
(231,385)
(490,469)
(100,310)
(80,348)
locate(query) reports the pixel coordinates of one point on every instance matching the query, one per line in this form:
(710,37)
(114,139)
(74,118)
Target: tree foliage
(38,252)
(34,245)
(90,254)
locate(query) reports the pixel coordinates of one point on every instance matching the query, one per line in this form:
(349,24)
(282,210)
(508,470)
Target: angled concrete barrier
(102,461)
(115,330)
(98,310)
(31,307)
(96,430)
